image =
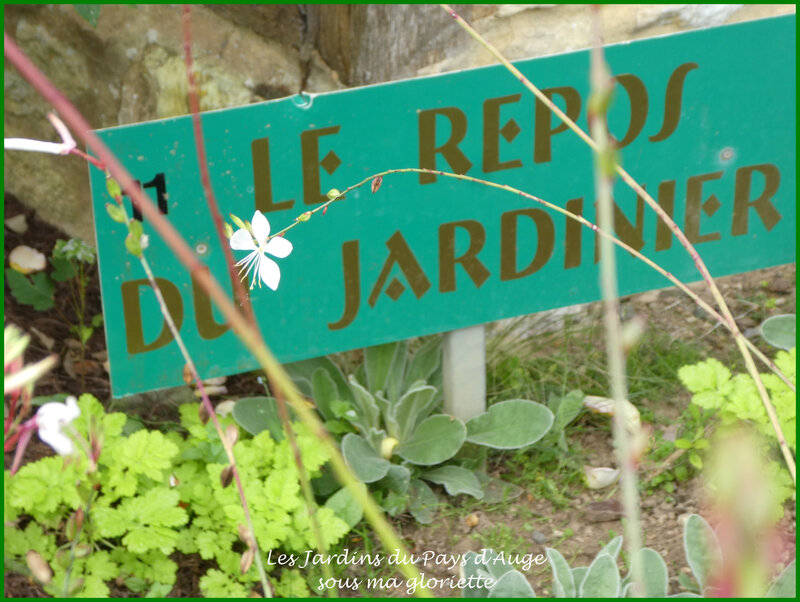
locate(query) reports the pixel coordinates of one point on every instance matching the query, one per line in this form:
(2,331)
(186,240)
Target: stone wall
(130,67)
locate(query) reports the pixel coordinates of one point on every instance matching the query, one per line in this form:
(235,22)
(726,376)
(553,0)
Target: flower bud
(387,445)
(226,476)
(333,193)
(232,434)
(40,570)
(304,217)
(116,213)
(113,188)
(247,560)
(203,414)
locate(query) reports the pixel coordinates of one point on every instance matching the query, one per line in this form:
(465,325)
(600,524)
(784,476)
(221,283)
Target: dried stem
(601,88)
(240,326)
(242,298)
(741,342)
(226,444)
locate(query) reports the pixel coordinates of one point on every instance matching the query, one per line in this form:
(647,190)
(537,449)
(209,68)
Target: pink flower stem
(205,177)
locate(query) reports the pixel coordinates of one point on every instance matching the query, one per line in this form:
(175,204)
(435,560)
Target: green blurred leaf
(364,461)
(456,480)
(36,291)
(90,12)
(779,331)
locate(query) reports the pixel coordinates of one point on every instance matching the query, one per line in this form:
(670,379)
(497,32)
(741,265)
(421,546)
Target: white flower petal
(57,440)
(260,227)
(269,272)
(37,146)
(242,241)
(51,419)
(279,247)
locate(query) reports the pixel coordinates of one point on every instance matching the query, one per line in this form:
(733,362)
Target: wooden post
(464,371)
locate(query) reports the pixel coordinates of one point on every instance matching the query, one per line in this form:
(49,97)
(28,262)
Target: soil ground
(578,525)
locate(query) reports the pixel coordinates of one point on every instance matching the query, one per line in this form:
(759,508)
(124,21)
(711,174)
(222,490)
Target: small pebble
(17,224)
(539,537)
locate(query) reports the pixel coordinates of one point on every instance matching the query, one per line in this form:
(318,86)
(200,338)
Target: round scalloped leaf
(436,439)
(256,414)
(779,331)
(510,424)
(364,461)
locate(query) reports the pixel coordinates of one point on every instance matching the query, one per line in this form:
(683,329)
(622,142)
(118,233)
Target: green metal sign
(705,119)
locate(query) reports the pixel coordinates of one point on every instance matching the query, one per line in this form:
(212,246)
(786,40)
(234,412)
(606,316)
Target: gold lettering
(637,95)
(492,133)
(694,203)
(352,285)
(542,146)
(672,101)
(763,206)
(468,260)
(207,326)
(309,145)
(132,312)
(666,199)
(508,242)
(400,254)
(428,150)
(262,178)
(632,235)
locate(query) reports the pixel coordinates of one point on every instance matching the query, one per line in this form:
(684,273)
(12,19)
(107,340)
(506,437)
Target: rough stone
(130,68)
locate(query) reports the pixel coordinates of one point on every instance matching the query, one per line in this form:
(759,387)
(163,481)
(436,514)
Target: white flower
(51,418)
(54,148)
(263,267)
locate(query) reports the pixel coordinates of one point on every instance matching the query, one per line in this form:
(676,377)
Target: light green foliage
(736,398)
(387,413)
(90,12)
(136,518)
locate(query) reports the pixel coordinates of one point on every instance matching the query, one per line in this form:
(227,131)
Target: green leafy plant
(71,261)
(735,400)
(494,577)
(392,435)
(150,494)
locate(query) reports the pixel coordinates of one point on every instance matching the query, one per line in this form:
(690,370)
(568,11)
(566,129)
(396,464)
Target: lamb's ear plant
(395,437)
(602,578)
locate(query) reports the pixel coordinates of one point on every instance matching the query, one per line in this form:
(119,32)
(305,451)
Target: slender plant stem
(308,494)
(601,86)
(76,540)
(226,444)
(239,324)
(241,296)
(664,216)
